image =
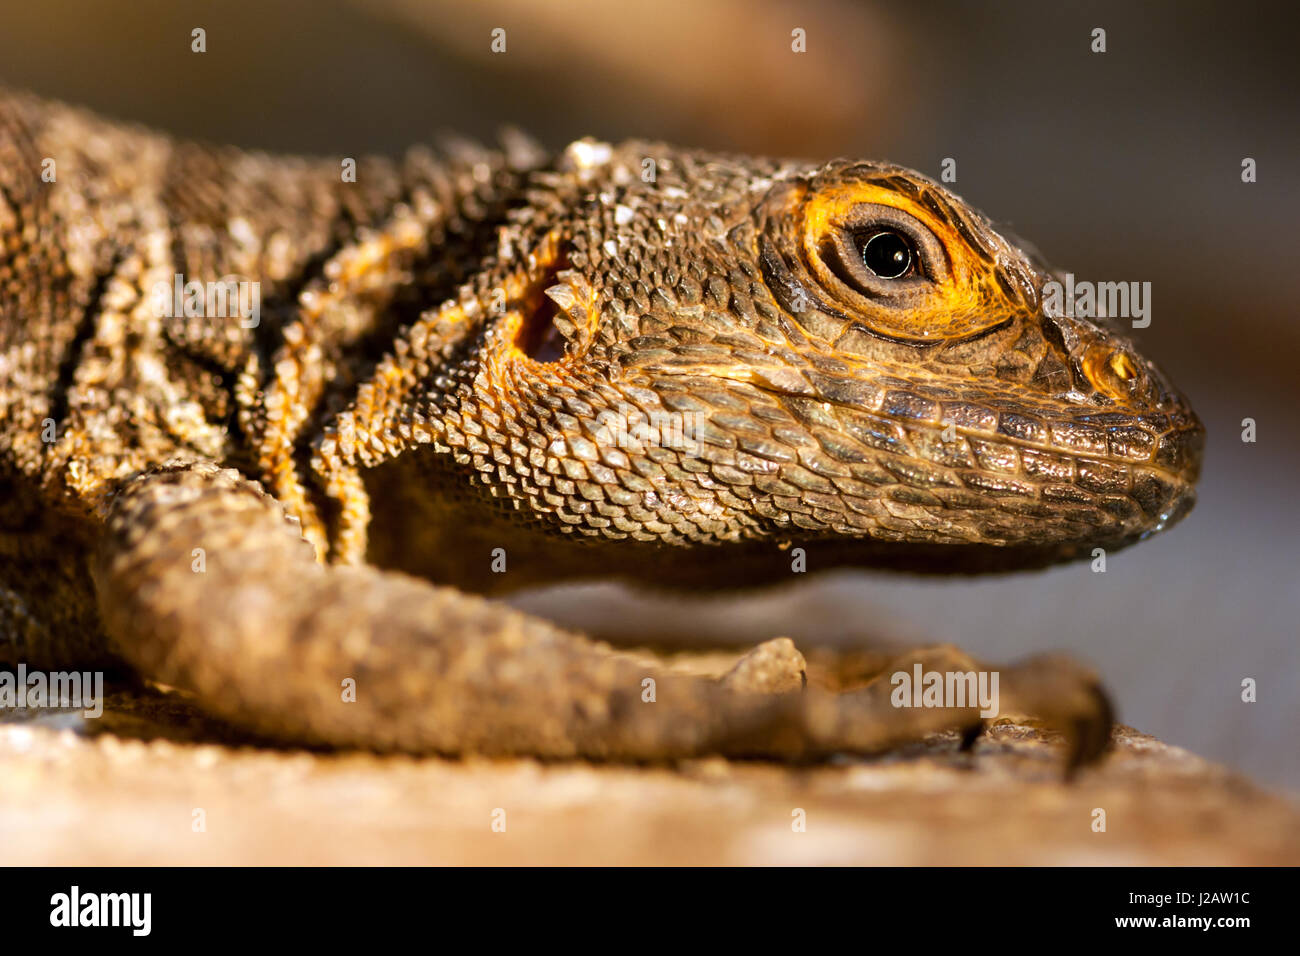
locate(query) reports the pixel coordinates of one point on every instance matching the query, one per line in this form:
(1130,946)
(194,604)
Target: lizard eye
(884,253)
(899,260)
(888,254)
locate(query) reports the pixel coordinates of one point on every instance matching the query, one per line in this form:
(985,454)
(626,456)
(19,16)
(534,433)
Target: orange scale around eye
(956,307)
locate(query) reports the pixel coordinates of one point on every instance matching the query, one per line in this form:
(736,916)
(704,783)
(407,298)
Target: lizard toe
(773,667)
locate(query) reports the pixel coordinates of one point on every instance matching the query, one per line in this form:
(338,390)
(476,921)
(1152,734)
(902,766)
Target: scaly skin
(452,361)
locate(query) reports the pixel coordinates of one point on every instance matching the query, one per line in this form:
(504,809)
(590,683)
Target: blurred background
(1123,165)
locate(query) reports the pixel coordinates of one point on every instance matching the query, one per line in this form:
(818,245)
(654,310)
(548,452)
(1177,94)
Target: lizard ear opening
(550,311)
(540,336)
(554,312)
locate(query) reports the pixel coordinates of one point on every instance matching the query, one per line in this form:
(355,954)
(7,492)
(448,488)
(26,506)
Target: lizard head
(845,357)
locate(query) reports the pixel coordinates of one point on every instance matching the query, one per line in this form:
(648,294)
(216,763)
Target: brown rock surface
(122,790)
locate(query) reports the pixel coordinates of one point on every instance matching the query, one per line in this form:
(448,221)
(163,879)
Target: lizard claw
(1066,697)
(873,719)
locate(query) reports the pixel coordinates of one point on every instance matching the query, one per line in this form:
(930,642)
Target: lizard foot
(882,706)
(1064,696)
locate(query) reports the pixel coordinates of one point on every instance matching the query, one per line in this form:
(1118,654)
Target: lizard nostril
(1122,367)
(1111,371)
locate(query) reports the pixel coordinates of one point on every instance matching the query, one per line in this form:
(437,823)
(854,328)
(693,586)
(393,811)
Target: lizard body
(479,356)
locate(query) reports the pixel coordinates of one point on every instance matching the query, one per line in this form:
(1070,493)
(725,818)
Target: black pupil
(887,254)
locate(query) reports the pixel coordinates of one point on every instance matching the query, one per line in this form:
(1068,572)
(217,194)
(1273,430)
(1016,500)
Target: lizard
(468,358)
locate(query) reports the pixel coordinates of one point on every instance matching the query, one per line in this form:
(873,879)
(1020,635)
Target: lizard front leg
(204,584)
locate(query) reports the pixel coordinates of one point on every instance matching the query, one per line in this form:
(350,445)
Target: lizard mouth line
(1185,475)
